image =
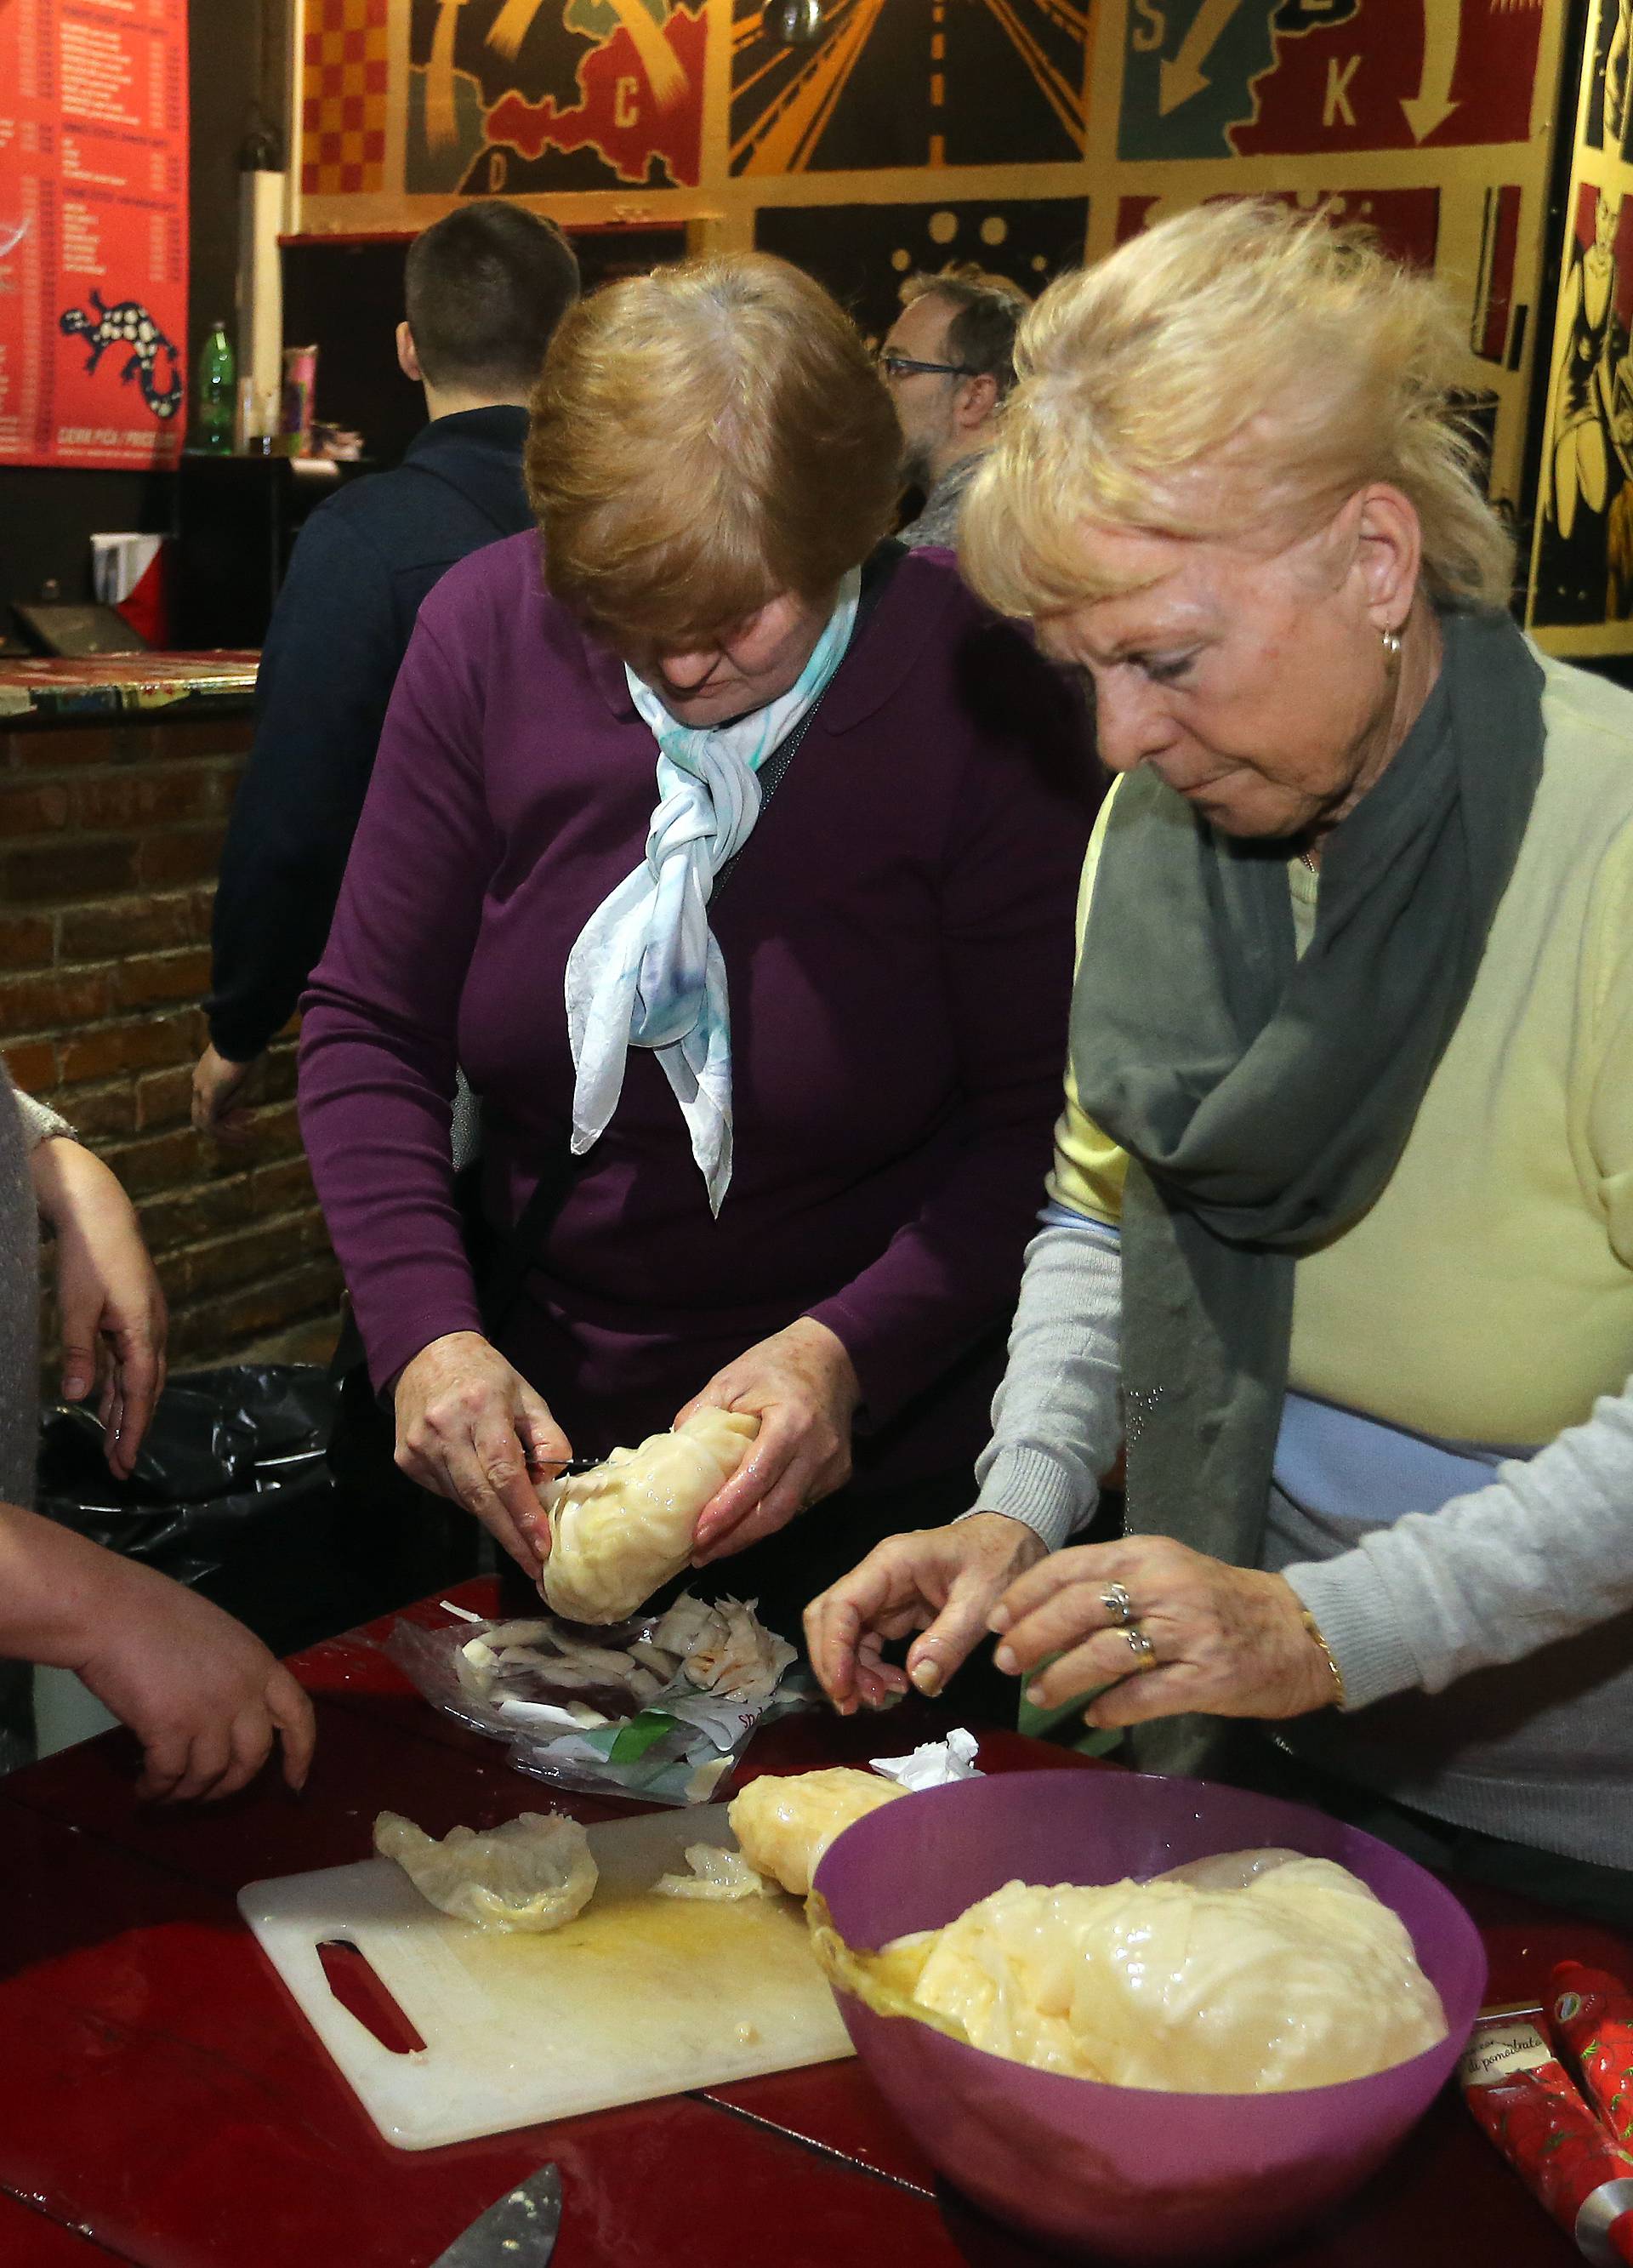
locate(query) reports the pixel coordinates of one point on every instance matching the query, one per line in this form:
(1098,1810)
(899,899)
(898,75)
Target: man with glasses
(948,360)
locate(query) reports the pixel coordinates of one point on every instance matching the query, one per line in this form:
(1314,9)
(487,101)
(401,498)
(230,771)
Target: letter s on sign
(1149,30)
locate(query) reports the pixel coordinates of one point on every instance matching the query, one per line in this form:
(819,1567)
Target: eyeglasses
(895,365)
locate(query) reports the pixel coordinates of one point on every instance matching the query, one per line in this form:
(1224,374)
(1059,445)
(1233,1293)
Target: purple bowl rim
(1390,2072)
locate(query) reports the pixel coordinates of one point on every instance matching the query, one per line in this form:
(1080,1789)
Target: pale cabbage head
(1299,1978)
(783,1825)
(619,1531)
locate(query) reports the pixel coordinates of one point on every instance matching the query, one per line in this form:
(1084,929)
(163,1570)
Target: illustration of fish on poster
(508,98)
(93,228)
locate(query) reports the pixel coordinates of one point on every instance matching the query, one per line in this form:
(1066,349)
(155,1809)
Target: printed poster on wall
(93,232)
(1581,590)
(868,139)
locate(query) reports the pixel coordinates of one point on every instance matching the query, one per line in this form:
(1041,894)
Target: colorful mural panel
(520,97)
(898,83)
(1219,79)
(1584,565)
(845,134)
(1581,580)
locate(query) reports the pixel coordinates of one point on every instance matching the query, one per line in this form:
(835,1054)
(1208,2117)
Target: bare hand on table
(469,1427)
(203,1695)
(114,1317)
(801,1385)
(943,1582)
(1227,1641)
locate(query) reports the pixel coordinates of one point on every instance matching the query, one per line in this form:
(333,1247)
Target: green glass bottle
(216,396)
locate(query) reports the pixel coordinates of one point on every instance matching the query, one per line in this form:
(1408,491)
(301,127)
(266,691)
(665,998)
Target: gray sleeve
(1055,1420)
(39,1124)
(1545,1552)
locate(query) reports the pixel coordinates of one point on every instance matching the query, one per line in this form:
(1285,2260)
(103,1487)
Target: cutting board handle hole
(361,1994)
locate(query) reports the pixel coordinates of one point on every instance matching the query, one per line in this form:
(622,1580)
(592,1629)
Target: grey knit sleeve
(1055,1420)
(39,1122)
(1545,1552)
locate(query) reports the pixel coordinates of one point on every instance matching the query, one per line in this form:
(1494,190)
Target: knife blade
(517,2231)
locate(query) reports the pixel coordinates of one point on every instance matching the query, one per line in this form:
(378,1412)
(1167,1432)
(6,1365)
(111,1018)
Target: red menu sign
(93,232)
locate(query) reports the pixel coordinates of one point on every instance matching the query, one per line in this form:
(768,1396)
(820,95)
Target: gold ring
(1118,1605)
(1140,1647)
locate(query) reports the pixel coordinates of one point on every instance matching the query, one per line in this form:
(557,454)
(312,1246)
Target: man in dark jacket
(486,287)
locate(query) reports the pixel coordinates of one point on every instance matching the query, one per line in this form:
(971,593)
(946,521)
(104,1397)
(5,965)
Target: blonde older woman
(802,1050)
(1340,1236)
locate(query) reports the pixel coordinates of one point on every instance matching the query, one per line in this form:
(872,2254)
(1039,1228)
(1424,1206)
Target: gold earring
(1391,645)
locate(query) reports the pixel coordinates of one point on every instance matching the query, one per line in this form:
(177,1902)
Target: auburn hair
(704,438)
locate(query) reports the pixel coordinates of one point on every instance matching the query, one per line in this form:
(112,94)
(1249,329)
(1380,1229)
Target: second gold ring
(1140,1647)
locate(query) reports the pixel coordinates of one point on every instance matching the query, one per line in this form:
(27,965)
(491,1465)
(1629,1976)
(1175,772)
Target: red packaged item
(1594,2016)
(1520,2092)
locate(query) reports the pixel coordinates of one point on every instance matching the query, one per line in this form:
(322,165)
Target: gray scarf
(1264,1099)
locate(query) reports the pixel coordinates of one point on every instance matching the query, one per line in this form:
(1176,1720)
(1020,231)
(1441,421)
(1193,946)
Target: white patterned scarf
(645,970)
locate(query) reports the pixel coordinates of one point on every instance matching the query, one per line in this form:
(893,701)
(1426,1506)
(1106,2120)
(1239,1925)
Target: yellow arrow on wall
(511,26)
(1178,80)
(1432,105)
(441,124)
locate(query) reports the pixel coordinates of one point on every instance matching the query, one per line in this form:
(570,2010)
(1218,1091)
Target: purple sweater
(898,943)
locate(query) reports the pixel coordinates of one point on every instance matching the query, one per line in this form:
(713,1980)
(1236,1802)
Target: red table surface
(162,2102)
(30,2239)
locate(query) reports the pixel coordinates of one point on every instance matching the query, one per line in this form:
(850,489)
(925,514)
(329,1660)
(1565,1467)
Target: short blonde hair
(702,438)
(1240,365)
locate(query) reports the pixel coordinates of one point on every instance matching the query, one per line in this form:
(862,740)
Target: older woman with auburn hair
(1340,1238)
(767,1083)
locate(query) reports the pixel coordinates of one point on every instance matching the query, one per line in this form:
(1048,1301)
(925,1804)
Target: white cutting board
(640,1996)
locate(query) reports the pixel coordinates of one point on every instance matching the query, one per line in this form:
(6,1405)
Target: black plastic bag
(231,1495)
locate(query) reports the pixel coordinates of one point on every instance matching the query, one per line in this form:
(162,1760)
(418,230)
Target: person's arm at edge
(1056,1420)
(377,1080)
(378,1044)
(1056,1423)
(1539,1556)
(204,1697)
(112,1308)
(332,654)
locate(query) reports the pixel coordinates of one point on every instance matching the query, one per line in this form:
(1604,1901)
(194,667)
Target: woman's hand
(1228,1641)
(471,1428)
(113,1310)
(941,1580)
(203,1696)
(800,1385)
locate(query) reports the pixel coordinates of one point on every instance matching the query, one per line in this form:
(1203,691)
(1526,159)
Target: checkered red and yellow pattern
(343,97)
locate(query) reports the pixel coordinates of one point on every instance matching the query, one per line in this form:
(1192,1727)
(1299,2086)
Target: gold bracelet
(1314,1631)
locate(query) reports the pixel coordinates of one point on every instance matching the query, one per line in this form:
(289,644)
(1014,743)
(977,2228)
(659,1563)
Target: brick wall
(109,840)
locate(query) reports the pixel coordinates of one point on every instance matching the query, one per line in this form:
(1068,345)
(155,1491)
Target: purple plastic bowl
(1125,2172)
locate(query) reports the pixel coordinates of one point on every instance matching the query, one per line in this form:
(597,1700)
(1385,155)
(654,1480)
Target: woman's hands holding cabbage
(469,1427)
(801,1385)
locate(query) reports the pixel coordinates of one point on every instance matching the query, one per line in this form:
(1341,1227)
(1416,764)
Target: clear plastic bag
(660,1708)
